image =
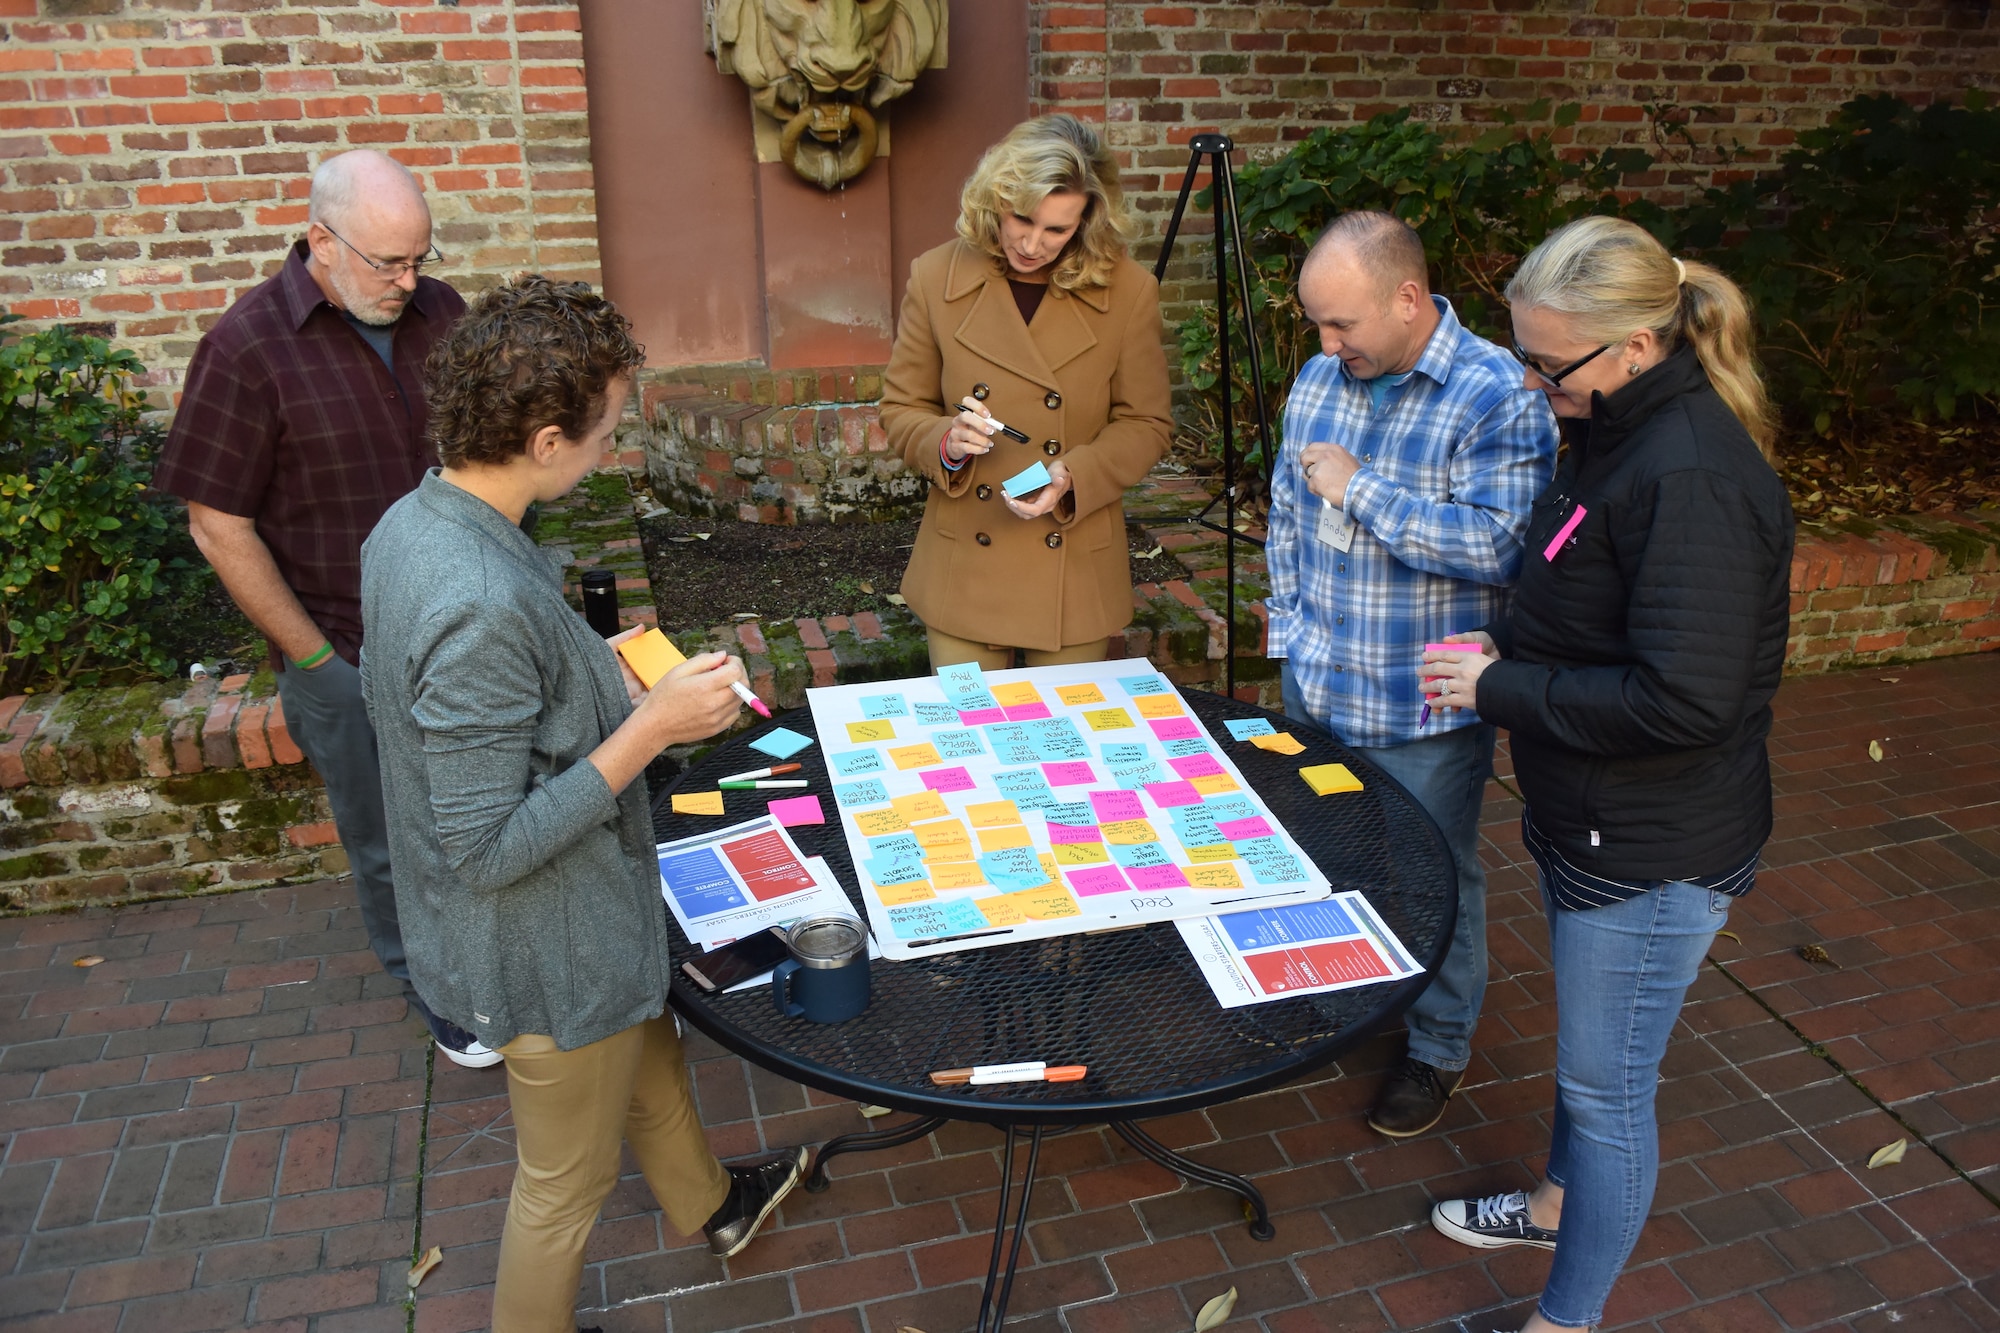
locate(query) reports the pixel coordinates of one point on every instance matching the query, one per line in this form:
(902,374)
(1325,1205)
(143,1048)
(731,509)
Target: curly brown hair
(529,354)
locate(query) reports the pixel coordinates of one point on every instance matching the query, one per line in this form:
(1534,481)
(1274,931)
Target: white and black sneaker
(1491,1223)
(460,1046)
(754,1191)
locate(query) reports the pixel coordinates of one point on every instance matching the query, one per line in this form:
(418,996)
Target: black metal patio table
(1130,1004)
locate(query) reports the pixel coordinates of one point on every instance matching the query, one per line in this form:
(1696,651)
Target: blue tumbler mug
(826,978)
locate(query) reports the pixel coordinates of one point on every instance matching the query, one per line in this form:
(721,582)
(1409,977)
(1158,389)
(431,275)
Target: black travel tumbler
(600,600)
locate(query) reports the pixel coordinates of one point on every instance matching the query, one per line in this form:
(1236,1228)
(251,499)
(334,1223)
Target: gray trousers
(325,715)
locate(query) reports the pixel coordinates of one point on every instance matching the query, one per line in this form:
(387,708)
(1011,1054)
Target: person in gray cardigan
(510,746)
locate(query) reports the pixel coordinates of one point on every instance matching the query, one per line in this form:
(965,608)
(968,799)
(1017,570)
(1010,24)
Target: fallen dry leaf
(1888,680)
(1813,953)
(866,586)
(871,1112)
(1153,553)
(895,599)
(1875,751)
(1888,1154)
(1215,1312)
(432,1258)
(204,1078)
(88,960)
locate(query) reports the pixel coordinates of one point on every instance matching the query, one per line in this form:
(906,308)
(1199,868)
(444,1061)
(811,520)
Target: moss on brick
(221,784)
(35,865)
(30,805)
(1960,547)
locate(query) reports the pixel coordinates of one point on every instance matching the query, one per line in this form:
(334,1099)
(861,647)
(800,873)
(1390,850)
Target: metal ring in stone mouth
(829,142)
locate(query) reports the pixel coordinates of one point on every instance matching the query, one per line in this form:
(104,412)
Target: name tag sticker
(1336,529)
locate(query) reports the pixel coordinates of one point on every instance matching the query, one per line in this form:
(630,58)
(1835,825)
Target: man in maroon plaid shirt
(302,422)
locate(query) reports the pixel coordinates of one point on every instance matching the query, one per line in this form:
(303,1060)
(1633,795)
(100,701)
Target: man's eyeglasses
(1557,376)
(396,269)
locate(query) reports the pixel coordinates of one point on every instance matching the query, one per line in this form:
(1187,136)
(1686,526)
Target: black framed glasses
(430,258)
(1557,376)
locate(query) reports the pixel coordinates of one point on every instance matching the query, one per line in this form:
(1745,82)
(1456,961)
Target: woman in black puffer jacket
(1634,673)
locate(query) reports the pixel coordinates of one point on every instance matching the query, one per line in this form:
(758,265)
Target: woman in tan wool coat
(1035,318)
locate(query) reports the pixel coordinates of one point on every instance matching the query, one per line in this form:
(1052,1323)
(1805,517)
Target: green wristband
(308,663)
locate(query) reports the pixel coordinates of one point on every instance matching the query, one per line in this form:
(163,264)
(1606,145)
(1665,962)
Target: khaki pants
(571,1110)
(949,650)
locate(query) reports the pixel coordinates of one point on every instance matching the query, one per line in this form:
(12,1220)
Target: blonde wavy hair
(1612,278)
(1038,158)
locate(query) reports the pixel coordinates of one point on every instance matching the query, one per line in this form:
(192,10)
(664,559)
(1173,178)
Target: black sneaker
(1491,1223)
(1413,1098)
(754,1190)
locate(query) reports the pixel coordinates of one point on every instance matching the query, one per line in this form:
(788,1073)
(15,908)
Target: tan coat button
(982,539)
(1052,447)
(984,492)
(1052,401)
(1054,539)
(980,391)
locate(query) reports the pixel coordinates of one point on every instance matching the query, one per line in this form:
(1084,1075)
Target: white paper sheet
(1284,952)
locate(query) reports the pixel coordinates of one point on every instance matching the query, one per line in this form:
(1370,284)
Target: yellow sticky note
(1325,779)
(1081,853)
(1051,902)
(1014,693)
(1212,783)
(916,756)
(1221,876)
(957,874)
(698,803)
(1128,832)
(943,831)
(1000,910)
(1279,742)
(920,806)
(1108,719)
(1159,705)
(1049,866)
(959,849)
(989,814)
(1215,851)
(1076,696)
(875,823)
(864,733)
(651,655)
(895,895)
(999,839)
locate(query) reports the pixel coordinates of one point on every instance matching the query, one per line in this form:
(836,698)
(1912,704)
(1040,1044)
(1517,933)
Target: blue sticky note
(1118,756)
(1031,478)
(852,763)
(1183,749)
(947,916)
(870,792)
(1138,685)
(962,678)
(1243,728)
(1013,868)
(1056,739)
(1134,776)
(958,743)
(1139,854)
(902,845)
(1222,809)
(884,705)
(782,743)
(1071,812)
(936,715)
(1012,744)
(1027,788)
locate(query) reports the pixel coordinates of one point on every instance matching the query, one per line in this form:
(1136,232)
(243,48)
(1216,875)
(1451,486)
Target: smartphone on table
(737,961)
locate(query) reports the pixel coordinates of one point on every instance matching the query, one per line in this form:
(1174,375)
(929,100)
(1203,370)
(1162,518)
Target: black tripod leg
(816,1181)
(987,1301)
(1174,221)
(1254,1208)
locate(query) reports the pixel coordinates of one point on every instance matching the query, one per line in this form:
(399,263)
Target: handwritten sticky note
(1210,783)
(919,921)
(1007,835)
(853,763)
(895,895)
(884,705)
(949,779)
(1052,902)
(1129,854)
(1214,851)
(915,756)
(1030,478)
(980,717)
(1000,910)
(1156,877)
(650,655)
(958,743)
(863,733)
(920,806)
(958,850)
(1111,805)
(1219,876)
(1094,880)
(1013,868)
(795,810)
(1061,833)
(781,743)
(1185,747)
(1195,766)
(1325,779)
(1080,853)
(1076,696)
(1166,794)
(1026,712)
(1069,812)
(1108,719)
(698,803)
(1159,705)
(1128,831)
(939,833)
(957,875)
(1017,692)
(1074,773)
(1239,830)
(961,678)
(1174,728)
(1137,685)
(1243,728)
(874,823)
(867,792)
(990,814)
(1279,742)
(934,714)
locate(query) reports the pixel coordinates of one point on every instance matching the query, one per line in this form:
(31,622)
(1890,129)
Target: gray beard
(358,304)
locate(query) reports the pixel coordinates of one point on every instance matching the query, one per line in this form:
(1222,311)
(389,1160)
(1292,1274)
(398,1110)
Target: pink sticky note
(949,779)
(1175,728)
(1097,879)
(1072,774)
(1156,877)
(1166,794)
(1237,830)
(980,717)
(1562,535)
(1074,833)
(798,810)
(1026,712)
(1112,806)
(1195,766)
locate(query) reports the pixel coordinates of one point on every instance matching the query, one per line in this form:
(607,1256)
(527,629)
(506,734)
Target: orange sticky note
(1279,742)
(998,839)
(922,805)
(1217,876)
(1159,705)
(999,910)
(1014,693)
(1325,779)
(650,655)
(895,895)
(1078,695)
(991,814)
(698,803)
(1209,784)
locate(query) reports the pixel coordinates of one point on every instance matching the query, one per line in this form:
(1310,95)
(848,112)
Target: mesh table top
(1132,1004)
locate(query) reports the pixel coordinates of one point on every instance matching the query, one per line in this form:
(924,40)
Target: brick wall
(157,152)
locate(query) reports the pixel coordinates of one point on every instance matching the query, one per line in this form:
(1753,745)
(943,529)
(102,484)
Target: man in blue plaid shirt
(1412,455)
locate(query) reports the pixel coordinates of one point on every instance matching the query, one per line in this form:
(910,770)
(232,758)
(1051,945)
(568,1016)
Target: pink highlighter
(1423,718)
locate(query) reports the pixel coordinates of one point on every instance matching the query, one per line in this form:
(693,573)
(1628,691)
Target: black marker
(948,939)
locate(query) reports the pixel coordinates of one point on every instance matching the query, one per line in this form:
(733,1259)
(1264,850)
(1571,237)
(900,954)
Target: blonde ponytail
(1612,277)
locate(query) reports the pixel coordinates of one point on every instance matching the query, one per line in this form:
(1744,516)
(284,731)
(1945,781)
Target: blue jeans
(1447,775)
(1621,974)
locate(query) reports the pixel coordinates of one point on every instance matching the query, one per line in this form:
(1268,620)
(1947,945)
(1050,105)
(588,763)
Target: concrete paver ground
(231,1122)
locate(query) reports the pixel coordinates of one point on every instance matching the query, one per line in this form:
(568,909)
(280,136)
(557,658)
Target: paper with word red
(1099,797)
(1281,953)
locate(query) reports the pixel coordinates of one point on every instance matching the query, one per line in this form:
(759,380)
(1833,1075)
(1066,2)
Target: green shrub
(78,531)
(1871,257)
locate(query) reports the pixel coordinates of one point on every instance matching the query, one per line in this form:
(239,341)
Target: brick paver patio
(230,1122)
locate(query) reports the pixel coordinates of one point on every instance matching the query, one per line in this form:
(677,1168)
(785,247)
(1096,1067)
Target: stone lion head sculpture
(822,68)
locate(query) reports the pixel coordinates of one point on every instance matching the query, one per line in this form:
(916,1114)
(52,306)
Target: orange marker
(1026,1071)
